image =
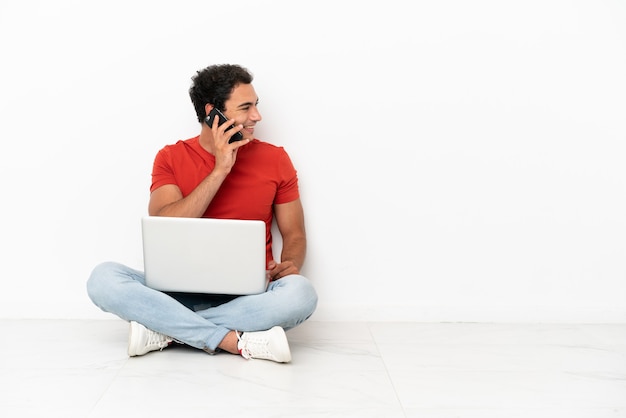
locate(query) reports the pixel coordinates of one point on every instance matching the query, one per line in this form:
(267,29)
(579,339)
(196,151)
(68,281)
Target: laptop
(204,255)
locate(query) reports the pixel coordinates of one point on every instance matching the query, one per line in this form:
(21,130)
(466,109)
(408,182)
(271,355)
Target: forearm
(195,204)
(294,251)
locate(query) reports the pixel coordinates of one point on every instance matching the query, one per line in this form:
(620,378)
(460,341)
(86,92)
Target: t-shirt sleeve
(162,172)
(288,190)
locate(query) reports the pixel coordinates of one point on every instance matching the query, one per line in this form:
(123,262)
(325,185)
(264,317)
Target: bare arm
(168,200)
(290,221)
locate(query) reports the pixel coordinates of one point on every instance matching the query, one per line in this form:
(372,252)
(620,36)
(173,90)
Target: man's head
(214,85)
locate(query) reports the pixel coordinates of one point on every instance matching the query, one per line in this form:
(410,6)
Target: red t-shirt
(263,175)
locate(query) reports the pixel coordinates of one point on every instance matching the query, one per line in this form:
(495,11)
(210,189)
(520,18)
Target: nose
(255,115)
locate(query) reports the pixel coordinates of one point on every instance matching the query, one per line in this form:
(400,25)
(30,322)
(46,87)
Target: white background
(458,160)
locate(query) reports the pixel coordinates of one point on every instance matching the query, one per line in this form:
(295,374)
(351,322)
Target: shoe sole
(285,356)
(133,337)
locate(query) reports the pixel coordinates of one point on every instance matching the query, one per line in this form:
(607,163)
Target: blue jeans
(201,321)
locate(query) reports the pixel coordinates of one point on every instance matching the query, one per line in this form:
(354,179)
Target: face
(242,106)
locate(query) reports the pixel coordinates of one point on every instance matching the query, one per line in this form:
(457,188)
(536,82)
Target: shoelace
(158,339)
(254,348)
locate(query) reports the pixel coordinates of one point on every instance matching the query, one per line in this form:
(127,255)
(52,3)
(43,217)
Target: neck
(206,140)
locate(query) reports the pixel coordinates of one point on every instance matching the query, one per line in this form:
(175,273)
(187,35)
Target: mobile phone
(238,136)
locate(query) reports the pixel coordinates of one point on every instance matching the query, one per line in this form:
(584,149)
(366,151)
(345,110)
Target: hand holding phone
(215,113)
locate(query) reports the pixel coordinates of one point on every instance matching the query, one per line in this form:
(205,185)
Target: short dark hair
(214,85)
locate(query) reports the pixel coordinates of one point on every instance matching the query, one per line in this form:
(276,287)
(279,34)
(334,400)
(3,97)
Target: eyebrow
(246,104)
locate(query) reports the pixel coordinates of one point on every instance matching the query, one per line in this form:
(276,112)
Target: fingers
(224,132)
(278,271)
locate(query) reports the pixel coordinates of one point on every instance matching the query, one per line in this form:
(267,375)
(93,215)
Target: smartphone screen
(222,119)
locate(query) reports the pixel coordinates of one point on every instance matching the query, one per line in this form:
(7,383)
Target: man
(206,176)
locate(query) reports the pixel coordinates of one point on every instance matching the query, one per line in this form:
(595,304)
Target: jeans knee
(304,297)
(98,280)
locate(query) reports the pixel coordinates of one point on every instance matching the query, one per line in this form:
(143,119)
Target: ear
(207,108)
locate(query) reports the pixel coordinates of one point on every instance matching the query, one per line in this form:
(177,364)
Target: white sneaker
(141,340)
(267,345)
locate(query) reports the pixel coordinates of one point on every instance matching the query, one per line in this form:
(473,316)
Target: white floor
(80,369)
